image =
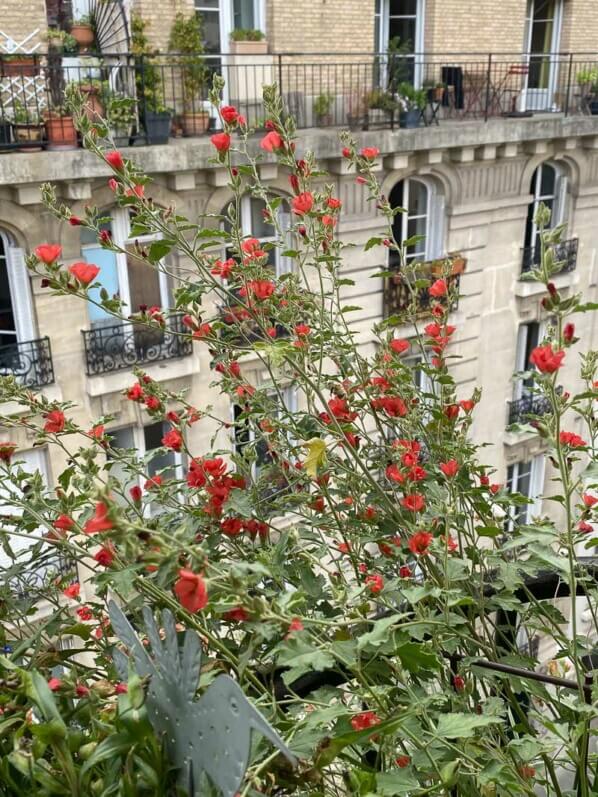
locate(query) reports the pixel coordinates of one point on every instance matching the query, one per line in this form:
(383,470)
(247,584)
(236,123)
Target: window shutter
(285,264)
(20,289)
(436,222)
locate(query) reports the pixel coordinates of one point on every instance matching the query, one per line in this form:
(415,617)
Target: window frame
(281,264)
(559,212)
(382,18)
(433,242)
(537,467)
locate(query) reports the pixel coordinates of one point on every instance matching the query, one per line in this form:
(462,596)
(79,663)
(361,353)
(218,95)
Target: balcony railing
(29,362)
(564,253)
(121,346)
(359,90)
(32,581)
(400,294)
(527,408)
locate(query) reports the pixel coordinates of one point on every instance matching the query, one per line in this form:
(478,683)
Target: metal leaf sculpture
(210,735)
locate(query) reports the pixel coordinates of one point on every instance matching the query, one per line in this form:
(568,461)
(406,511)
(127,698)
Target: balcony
(32,579)
(564,253)
(323,90)
(121,346)
(401,295)
(527,408)
(29,362)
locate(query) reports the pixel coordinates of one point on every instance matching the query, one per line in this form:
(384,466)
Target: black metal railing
(120,346)
(32,579)
(29,362)
(564,253)
(402,294)
(359,90)
(527,408)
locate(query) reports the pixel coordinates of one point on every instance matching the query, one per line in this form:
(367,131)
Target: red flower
(344,547)
(416,474)
(569,333)
(405,571)
(135,393)
(271,141)
(237,615)
(295,625)
(546,359)
(572,440)
(63,523)
(394,406)
(231,526)
(7,450)
(72,591)
(340,409)
(526,771)
(153,483)
(135,493)
(367,719)
(375,583)
(81,690)
(121,689)
(84,613)
(191,590)
(328,221)
(54,684)
(399,345)
(173,439)
(112,184)
(438,288)
(459,682)
(583,526)
(84,272)
(221,141)
(261,289)
(100,520)
(75,221)
(333,203)
(419,543)
(48,253)
(370,152)
(55,421)
(203,331)
(394,474)
(223,269)
(302,330)
(402,761)
(105,556)
(451,411)
(467,405)
(115,159)
(302,203)
(229,114)
(413,502)
(346,152)
(450,468)
(589,500)
(152,403)
(97,432)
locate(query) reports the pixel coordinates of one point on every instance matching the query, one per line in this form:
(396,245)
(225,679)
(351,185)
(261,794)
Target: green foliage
(148,77)
(323,103)
(186,39)
(247,35)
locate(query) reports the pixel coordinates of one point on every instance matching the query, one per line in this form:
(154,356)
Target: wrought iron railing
(29,362)
(32,578)
(527,408)
(120,346)
(401,292)
(564,253)
(359,90)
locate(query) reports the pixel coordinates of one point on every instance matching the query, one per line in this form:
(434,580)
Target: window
(423,217)
(220,17)
(527,479)
(254,225)
(548,187)
(244,433)
(401,22)
(542,38)
(123,274)
(528,337)
(16,304)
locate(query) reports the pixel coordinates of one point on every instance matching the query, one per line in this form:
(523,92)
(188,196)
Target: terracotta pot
(457,265)
(30,135)
(93,105)
(83,35)
(195,124)
(21,66)
(61,133)
(249,47)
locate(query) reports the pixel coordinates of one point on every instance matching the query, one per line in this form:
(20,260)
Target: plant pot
(121,135)
(83,35)
(249,47)
(457,265)
(410,119)
(593,106)
(61,133)
(195,124)
(30,134)
(5,135)
(157,127)
(93,107)
(355,121)
(324,120)
(21,66)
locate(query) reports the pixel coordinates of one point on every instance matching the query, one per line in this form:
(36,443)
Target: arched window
(254,225)
(423,217)
(17,322)
(548,187)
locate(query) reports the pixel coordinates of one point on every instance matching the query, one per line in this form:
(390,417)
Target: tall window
(543,28)
(527,479)
(423,216)
(16,303)
(400,23)
(528,337)
(221,17)
(253,224)
(548,187)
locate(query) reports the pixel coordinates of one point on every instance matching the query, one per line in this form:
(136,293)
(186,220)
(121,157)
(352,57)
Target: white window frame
(529,93)
(418,44)
(520,363)
(433,243)
(21,296)
(226,18)
(536,487)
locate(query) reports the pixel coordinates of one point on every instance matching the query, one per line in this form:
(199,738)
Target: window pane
(243,14)
(211,29)
(402,7)
(259,228)
(7,321)
(548,180)
(417,227)
(122,438)
(404,30)
(418,198)
(543,9)
(202,5)
(153,435)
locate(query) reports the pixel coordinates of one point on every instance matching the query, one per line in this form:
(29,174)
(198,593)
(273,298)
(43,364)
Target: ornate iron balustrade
(527,407)
(400,294)
(564,252)
(29,362)
(34,579)
(120,346)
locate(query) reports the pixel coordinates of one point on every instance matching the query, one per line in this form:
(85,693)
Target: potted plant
(186,40)
(358,110)
(456,265)
(93,91)
(19,65)
(322,106)
(412,101)
(248,41)
(381,106)
(60,127)
(120,116)
(156,117)
(82,30)
(434,91)
(61,40)
(27,127)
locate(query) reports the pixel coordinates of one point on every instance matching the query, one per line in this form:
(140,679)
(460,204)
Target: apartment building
(507,124)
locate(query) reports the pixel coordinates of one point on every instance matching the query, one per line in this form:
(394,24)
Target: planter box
(249,47)
(22,66)
(30,135)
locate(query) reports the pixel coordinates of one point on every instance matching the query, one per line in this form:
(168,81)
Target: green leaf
(239,502)
(159,249)
(400,782)
(49,732)
(299,653)
(350,308)
(586,308)
(112,747)
(415,657)
(378,634)
(460,726)
(372,243)
(38,690)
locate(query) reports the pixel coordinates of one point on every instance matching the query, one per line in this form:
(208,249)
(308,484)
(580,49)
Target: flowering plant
(348,560)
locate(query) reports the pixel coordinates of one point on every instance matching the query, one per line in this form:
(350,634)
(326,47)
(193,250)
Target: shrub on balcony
(366,605)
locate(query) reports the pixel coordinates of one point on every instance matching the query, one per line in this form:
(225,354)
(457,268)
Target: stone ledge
(104,384)
(525,288)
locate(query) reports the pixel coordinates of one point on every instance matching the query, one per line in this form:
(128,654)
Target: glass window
(243,14)
(544,190)
(519,480)
(413,196)
(152,438)
(209,11)
(8,332)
